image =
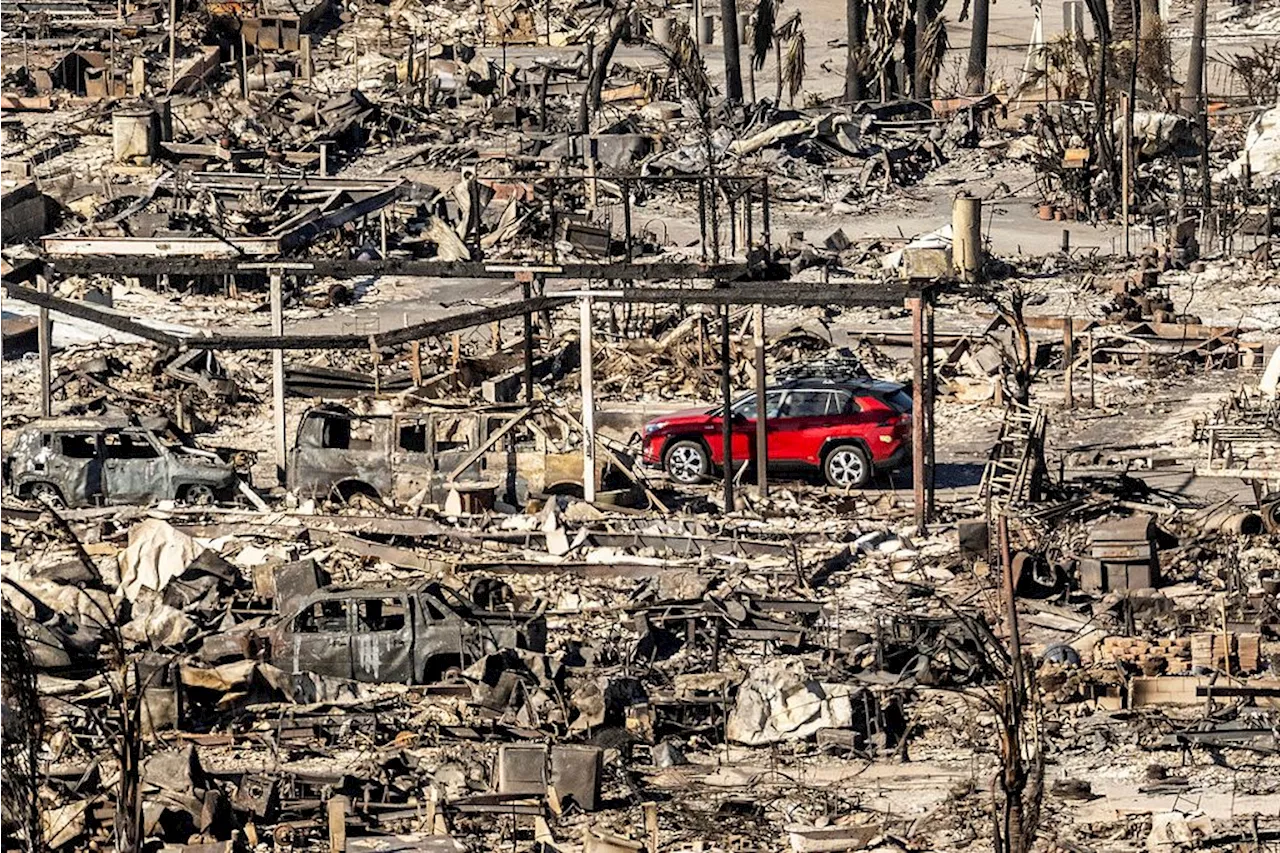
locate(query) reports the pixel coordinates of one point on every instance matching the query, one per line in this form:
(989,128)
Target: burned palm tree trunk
(591,97)
(1102,114)
(762,23)
(732,51)
(977,71)
(921,62)
(1195,60)
(23,731)
(855,88)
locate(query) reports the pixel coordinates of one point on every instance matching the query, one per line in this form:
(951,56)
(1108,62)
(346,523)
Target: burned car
(412,635)
(86,461)
(339,454)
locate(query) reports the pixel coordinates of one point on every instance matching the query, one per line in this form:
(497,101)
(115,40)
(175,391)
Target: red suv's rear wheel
(687,462)
(847,466)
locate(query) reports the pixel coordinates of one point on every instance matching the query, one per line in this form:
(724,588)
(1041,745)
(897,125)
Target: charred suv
(412,635)
(112,460)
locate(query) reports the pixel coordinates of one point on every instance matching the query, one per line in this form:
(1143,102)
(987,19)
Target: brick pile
(1176,652)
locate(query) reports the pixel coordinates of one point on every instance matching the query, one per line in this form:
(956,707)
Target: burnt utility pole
(855,14)
(977,71)
(732,53)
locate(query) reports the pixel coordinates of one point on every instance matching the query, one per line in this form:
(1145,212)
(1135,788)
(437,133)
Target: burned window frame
(148,440)
(359,620)
(309,608)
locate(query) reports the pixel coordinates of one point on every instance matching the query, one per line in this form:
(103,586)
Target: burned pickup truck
(82,461)
(520,452)
(414,635)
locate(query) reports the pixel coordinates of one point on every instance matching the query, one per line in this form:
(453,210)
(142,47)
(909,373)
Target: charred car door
(453,438)
(317,639)
(411,465)
(134,467)
(72,461)
(382,640)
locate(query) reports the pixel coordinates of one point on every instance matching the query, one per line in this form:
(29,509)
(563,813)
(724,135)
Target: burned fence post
(588,403)
(1068,356)
(526,291)
(1093,401)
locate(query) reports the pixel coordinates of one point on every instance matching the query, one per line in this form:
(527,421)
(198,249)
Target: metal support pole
(726,421)
(1093,400)
(526,292)
(1126,167)
(1011,604)
(44,343)
(475,213)
(766,225)
(277,375)
(173,44)
(626,218)
(930,396)
(588,404)
(915,303)
(762,423)
(1068,351)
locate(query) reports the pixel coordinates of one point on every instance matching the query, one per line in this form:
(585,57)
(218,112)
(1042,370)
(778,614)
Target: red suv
(847,429)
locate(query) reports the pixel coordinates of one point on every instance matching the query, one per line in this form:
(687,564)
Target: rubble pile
(452,426)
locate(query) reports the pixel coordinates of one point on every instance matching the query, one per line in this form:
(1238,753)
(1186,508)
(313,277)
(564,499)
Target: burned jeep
(84,461)
(340,454)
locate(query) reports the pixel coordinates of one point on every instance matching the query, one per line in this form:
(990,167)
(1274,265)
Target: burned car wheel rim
(43,493)
(686,463)
(845,467)
(199,495)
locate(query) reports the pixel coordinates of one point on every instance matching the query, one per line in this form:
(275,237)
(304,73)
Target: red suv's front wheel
(687,462)
(847,466)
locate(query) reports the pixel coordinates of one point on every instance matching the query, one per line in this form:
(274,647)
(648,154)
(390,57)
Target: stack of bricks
(1247,651)
(1209,648)
(1176,651)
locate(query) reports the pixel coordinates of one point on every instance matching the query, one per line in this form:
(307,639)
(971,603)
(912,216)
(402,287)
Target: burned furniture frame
(706,623)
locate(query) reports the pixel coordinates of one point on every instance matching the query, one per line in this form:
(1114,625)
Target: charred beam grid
(418,331)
